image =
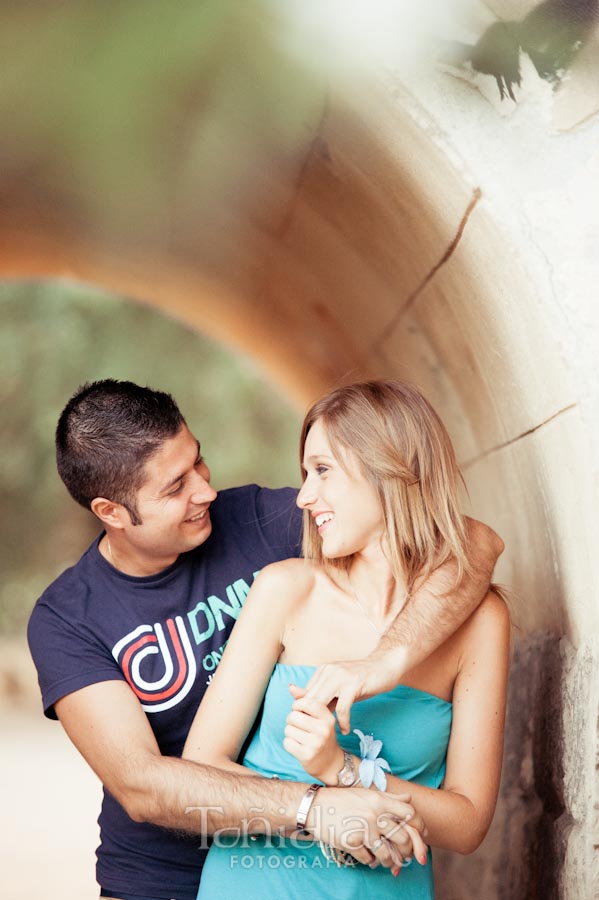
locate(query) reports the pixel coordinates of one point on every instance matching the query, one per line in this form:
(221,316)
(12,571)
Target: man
(126,641)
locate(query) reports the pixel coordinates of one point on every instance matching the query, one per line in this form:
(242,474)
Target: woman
(380,501)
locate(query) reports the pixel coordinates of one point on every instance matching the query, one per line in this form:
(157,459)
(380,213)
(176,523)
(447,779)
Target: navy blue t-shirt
(164,634)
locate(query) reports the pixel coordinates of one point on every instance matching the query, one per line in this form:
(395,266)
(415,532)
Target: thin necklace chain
(358,601)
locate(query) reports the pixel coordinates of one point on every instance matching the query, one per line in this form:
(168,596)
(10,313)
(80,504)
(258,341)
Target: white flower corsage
(372,765)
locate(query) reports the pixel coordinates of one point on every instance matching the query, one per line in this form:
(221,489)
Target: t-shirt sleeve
(280,521)
(67,656)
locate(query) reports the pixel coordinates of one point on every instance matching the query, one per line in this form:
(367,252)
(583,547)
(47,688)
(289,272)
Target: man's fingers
(336,686)
(312,707)
(296,691)
(417,822)
(312,688)
(381,849)
(406,834)
(377,829)
(362,854)
(396,857)
(344,705)
(401,840)
(400,831)
(327,683)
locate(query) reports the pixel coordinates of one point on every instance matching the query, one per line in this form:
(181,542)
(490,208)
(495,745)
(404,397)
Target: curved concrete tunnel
(413,232)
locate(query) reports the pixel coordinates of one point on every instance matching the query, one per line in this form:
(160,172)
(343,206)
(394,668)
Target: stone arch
(378,240)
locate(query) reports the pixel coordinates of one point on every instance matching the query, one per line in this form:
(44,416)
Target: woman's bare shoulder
(491,620)
(493,610)
(291,578)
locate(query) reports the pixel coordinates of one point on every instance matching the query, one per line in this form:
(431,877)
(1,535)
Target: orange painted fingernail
(422,859)
(395,872)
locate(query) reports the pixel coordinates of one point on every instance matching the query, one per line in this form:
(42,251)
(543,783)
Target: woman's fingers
(309,723)
(365,822)
(419,847)
(404,834)
(313,708)
(301,737)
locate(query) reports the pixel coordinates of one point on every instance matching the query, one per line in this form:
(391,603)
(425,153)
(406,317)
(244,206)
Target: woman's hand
(310,737)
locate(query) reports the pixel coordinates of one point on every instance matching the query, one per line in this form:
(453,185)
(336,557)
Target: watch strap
(347,776)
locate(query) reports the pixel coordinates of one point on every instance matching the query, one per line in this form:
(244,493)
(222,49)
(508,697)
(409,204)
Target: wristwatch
(347,776)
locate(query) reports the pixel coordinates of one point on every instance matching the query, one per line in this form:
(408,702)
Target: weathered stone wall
(406,226)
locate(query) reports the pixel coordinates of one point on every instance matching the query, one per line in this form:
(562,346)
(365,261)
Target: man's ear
(110,513)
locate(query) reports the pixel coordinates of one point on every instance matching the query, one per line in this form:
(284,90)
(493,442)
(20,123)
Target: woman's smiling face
(344,505)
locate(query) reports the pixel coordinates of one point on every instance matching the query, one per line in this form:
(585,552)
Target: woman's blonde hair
(404,451)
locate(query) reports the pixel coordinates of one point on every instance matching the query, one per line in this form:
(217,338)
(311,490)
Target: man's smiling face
(173,502)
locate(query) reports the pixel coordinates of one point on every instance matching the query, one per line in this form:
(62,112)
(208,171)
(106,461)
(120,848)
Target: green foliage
(54,337)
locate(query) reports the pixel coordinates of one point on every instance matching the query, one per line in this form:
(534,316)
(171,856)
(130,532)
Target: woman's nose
(305,496)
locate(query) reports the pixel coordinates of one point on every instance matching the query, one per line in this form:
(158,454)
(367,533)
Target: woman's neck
(372,581)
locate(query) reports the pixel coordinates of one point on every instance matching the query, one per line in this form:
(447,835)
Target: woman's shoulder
(493,611)
(491,620)
(292,579)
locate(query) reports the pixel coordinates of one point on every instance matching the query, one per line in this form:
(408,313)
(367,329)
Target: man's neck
(129,562)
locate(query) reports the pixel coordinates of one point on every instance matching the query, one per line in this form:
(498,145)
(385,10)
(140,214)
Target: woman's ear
(110,513)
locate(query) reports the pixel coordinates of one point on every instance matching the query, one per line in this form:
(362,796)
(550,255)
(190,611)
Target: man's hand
(347,682)
(376,828)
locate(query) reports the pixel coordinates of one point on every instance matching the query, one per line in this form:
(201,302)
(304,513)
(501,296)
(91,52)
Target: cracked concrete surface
(476,196)
(410,232)
(471,462)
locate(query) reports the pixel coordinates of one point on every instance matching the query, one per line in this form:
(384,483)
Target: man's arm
(433,613)
(109,728)
(107,725)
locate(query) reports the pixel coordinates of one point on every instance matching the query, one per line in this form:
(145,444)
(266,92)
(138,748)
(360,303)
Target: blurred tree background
(55,336)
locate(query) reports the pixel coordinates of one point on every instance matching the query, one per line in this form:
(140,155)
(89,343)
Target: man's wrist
(304,808)
(392,663)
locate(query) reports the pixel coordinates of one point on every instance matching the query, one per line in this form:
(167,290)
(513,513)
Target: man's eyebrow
(173,481)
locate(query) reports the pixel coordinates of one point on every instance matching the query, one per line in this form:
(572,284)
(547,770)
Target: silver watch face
(346,776)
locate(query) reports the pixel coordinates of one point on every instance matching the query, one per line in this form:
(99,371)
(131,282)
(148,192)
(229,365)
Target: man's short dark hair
(105,435)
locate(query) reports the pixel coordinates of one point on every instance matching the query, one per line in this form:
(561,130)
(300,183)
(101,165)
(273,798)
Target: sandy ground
(50,800)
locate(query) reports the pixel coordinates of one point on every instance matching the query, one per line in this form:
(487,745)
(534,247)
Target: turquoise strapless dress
(414,727)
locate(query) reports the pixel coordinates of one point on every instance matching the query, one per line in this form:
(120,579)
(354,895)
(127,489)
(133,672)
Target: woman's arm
(233,699)
(231,703)
(458,816)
